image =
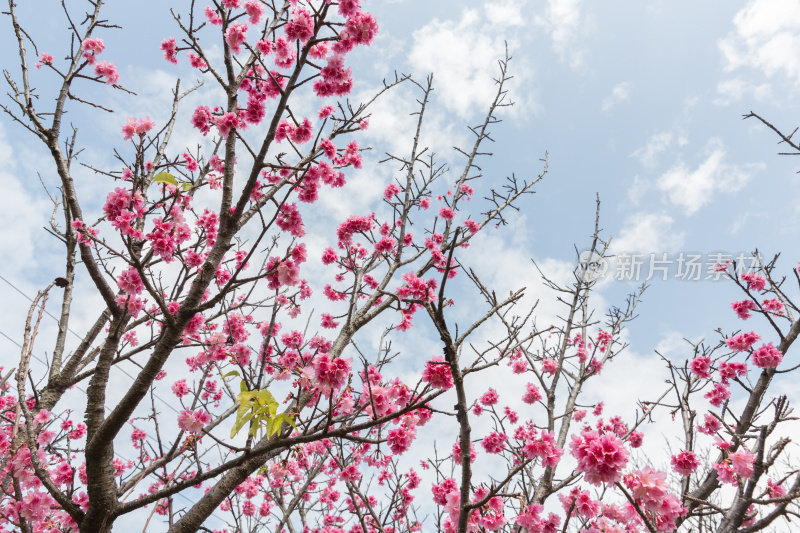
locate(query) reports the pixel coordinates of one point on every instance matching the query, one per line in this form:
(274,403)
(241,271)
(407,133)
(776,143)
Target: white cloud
(639,372)
(619,93)
(505,13)
(642,234)
(692,189)
(674,345)
(510,247)
(462,54)
(637,190)
(735,89)
(22,214)
(654,146)
(766,37)
(561,20)
(647,232)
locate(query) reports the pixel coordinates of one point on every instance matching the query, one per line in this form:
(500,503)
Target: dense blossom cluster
(601,457)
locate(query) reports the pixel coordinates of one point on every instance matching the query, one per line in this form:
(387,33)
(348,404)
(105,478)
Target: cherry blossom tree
(196,267)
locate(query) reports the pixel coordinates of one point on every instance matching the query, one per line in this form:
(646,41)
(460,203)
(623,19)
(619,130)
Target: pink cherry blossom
(544,447)
(773,305)
(42,417)
(170,49)
(300,27)
(235,36)
(743,308)
(193,421)
(767,356)
(330,375)
(494,442)
(180,388)
(775,490)
(328,322)
(329,256)
(742,342)
(732,370)
(718,394)
(227,122)
(754,281)
(580,502)
(137,127)
(742,462)
(549,366)
(254,10)
(137,436)
(302,133)
(290,221)
(91,48)
(197,61)
(44,59)
(285,53)
(458,457)
(437,373)
(710,424)
(390,191)
(360,28)
(600,457)
(335,79)
(725,473)
(201,119)
(348,8)
(400,439)
(212,16)
(490,397)
(700,367)
(532,394)
(107,70)
(685,462)
(472,226)
(130,282)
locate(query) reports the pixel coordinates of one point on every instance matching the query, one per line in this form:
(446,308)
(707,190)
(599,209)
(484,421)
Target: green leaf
(245,398)
(258,407)
(240,422)
(277,422)
(165,177)
(265,397)
(290,419)
(186,186)
(231,373)
(275,425)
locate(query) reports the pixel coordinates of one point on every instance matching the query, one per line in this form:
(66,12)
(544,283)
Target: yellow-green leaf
(274,425)
(265,397)
(240,422)
(231,373)
(165,177)
(277,422)
(259,408)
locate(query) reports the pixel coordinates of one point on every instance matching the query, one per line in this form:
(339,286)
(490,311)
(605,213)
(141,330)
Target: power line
(82,390)
(79,336)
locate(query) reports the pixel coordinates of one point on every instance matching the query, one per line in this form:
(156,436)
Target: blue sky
(639,102)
